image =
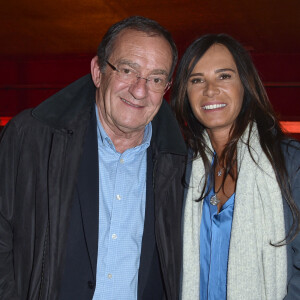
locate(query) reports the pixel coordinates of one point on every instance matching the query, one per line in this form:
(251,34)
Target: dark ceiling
(76,26)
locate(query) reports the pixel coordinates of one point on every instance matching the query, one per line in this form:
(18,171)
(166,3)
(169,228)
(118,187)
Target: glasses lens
(127,75)
(155,83)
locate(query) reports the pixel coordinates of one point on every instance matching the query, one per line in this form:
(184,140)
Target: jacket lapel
(88,186)
(148,242)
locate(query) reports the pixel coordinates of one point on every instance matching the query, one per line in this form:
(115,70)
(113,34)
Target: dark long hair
(256,108)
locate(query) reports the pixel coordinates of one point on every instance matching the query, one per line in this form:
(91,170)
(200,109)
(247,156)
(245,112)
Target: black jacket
(40,155)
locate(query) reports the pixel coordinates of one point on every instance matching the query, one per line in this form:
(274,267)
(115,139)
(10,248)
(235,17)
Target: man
(90,190)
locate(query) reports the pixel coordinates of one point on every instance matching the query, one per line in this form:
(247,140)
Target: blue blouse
(215,232)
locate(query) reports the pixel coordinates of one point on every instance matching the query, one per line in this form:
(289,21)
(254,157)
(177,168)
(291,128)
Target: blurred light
(290,126)
(4,120)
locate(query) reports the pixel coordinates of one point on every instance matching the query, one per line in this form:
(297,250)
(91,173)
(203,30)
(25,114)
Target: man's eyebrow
(137,67)
(159,72)
(128,63)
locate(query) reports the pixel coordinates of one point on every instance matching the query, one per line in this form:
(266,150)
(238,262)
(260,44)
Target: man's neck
(122,139)
(125,141)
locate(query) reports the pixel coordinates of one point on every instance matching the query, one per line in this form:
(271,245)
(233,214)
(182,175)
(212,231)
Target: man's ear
(95,71)
(168,86)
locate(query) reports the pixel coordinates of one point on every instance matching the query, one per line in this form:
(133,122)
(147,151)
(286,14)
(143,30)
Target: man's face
(127,108)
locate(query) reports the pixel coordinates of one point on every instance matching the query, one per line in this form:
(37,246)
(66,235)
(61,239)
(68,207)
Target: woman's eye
(197,81)
(225,76)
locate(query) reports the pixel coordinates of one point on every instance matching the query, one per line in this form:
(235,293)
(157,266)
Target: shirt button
(114,236)
(118,197)
(122,161)
(109,276)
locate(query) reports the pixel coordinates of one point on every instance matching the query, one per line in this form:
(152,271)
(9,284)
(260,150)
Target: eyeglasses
(156,83)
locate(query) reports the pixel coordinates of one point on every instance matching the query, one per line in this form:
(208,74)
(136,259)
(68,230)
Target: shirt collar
(106,141)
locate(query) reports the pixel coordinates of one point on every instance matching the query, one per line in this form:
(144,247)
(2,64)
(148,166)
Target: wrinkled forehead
(134,44)
(129,34)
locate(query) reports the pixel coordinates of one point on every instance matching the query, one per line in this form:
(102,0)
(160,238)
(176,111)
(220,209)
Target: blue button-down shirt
(122,198)
(215,232)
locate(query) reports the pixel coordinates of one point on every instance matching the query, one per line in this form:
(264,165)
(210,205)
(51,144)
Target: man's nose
(139,89)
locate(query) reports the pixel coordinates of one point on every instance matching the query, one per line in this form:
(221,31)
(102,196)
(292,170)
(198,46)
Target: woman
(241,220)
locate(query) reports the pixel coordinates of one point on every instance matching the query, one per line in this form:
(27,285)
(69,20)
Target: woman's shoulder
(291,149)
(291,153)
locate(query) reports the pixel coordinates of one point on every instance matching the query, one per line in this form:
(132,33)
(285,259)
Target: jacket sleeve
(293,168)
(8,154)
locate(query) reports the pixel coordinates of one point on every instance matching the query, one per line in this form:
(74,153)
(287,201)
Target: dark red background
(25,81)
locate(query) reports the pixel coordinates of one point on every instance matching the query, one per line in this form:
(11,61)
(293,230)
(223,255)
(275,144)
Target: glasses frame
(168,84)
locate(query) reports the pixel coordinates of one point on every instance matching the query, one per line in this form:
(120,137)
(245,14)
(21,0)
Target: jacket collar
(166,134)
(64,110)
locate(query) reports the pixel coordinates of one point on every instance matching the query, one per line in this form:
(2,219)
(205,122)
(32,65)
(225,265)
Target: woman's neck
(218,140)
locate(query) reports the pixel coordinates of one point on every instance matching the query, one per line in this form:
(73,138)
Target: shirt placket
(114,230)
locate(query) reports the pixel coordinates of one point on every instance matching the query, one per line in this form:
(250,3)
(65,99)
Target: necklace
(214,200)
(219,173)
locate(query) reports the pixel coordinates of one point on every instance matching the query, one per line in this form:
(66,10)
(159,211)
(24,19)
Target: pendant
(214,200)
(219,173)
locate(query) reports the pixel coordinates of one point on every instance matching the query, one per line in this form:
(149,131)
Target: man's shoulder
(59,110)
(24,125)
(21,120)
(67,105)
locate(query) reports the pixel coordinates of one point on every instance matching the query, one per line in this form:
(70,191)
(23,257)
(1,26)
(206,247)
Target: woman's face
(215,90)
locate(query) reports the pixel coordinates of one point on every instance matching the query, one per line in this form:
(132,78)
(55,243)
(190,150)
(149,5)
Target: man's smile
(131,104)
